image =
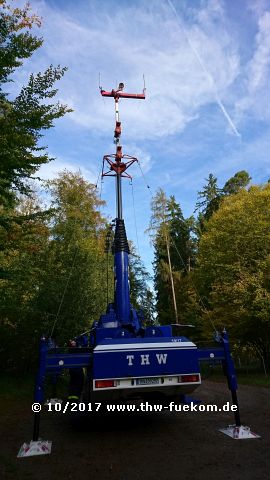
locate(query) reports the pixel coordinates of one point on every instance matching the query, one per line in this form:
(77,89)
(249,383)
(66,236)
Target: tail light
(189,378)
(105,383)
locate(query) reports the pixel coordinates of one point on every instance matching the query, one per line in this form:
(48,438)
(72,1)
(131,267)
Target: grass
(22,386)
(14,386)
(252,377)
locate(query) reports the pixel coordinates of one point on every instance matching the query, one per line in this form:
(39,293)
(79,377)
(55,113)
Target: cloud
(257,74)
(50,170)
(144,158)
(260,63)
(257,7)
(177,88)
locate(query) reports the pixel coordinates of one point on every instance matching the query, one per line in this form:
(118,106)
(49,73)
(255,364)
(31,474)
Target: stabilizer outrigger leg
(223,354)
(236,431)
(38,446)
(52,361)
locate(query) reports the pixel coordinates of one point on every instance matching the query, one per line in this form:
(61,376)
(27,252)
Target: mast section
(116,165)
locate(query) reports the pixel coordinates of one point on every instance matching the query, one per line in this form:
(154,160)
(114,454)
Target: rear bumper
(127,388)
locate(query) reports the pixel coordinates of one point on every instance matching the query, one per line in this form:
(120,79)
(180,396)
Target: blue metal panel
(108,320)
(228,364)
(153,332)
(40,378)
(211,354)
(67,360)
(147,362)
(122,287)
(104,333)
(166,330)
(141,341)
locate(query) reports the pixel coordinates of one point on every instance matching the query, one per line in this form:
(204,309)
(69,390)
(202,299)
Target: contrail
(208,75)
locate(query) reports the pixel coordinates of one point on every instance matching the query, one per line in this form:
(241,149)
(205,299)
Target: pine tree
(208,200)
(236,183)
(182,237)
(174,250)
(141,295)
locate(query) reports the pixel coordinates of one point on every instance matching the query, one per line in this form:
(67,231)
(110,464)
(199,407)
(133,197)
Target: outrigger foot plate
(238,433)
(39,447)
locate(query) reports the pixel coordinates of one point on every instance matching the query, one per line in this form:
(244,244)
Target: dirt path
(163,446)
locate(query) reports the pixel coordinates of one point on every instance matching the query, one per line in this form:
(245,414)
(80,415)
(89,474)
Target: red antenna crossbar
(117,94)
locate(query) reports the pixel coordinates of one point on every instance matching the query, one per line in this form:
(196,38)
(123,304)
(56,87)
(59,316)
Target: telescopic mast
(116,165)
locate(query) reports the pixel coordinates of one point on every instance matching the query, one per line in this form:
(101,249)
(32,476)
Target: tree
(53,271)
(233,267)
(23,118)
(22,259)
(141,295)
(160,231)
(182,238)
(236,183)
(148,307)
(73,292)
(174,246)
(211,196)
(208,200)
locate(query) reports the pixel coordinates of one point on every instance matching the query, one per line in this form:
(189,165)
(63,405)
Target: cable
(148,187)
(135,221)
(100,196)
(99,174)
(64,292)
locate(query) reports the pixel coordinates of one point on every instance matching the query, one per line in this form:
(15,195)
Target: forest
(211,270)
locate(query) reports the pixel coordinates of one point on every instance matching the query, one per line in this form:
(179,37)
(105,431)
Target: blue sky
(207,110)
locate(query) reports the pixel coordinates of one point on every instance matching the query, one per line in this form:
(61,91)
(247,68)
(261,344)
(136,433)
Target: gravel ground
(147,446)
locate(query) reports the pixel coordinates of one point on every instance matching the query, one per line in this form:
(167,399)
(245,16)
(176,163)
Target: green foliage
(74,277)
(23,118)
(53,270)
(233,267)
(221,270)
(16,42)
(210,198)
(236,183)
(141,296)
(21,260)
(181,237)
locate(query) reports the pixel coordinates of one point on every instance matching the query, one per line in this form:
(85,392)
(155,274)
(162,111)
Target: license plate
(147,381)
